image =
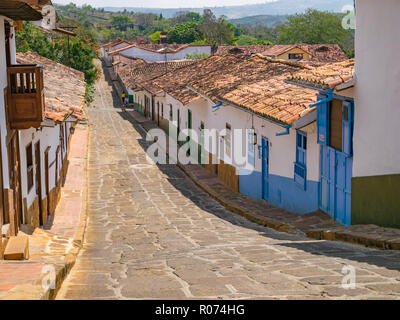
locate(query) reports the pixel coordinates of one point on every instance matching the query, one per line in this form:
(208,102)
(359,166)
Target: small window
(296,56)
(228,146)
(29,166)
(300,166)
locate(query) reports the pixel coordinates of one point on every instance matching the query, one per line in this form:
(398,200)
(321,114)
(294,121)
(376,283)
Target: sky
(161,3)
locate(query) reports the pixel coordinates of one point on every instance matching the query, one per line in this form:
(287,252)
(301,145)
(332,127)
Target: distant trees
(246,40)
(185,16)
(316,27)
(312,27)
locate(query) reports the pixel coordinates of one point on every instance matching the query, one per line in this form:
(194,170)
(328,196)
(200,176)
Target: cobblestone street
(153,234)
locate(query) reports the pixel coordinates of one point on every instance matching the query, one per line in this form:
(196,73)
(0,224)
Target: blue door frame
(265,164)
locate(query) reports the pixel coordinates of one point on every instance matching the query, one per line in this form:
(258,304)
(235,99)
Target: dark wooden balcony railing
(25,96)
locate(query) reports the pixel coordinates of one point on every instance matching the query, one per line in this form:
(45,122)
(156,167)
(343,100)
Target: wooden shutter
(323,123)
(347,127)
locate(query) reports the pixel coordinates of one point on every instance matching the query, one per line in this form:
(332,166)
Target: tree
(184,33)
(217,33)
(246,40)
(313,27)
(121,22)
(196,56)
(155,37)
(186,16)
(80,57)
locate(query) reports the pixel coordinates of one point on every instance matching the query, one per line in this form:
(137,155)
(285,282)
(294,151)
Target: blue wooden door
(335,184)
(265,162)
(325,180)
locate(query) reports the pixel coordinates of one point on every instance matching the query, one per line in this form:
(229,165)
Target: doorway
(265,165)
(46,178)
(14,176)
(190,131)
(38,181)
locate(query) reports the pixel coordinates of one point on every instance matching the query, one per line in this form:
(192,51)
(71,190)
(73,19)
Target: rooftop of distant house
(136,74)
(322,53)
(246,50)
(157,48)
(64,87)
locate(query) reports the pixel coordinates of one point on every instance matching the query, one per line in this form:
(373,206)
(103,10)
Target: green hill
(266,20)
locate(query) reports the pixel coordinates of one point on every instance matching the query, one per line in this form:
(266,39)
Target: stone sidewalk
(54,247)
(316,225)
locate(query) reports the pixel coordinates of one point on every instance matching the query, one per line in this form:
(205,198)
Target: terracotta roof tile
(325,77)
(242,49)
(64,87)
(140,73)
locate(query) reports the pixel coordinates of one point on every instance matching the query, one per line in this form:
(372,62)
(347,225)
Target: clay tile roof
(157,48)
(140,74)
(242,49)
(114,42)
(64,87)
(258,84)
(325,77)
(322,53)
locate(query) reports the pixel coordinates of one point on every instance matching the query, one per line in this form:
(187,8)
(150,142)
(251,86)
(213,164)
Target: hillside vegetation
(206,28)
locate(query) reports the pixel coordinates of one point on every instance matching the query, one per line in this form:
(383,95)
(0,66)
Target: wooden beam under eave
(30,2)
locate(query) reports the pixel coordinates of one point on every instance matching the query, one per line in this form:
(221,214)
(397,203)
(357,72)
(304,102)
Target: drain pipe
(327,99)
(217,105)
(283,133)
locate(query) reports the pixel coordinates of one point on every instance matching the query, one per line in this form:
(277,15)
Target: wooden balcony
(25,96)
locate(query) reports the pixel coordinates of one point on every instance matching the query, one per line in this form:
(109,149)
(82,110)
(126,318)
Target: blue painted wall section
(283,192)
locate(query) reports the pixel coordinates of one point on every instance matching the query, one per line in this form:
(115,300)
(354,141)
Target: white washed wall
(3,85)
(377,92)
(282,148)
(48,137)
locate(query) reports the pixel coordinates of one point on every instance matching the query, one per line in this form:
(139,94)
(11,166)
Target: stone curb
(80,232)
(340,234)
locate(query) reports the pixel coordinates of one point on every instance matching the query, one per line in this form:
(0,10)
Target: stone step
(17,248)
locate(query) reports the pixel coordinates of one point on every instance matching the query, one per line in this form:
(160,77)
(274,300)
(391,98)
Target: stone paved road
(153,234)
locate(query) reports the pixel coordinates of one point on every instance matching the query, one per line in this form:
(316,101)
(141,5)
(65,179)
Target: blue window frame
(323,122)
(347,128)
(300,166)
